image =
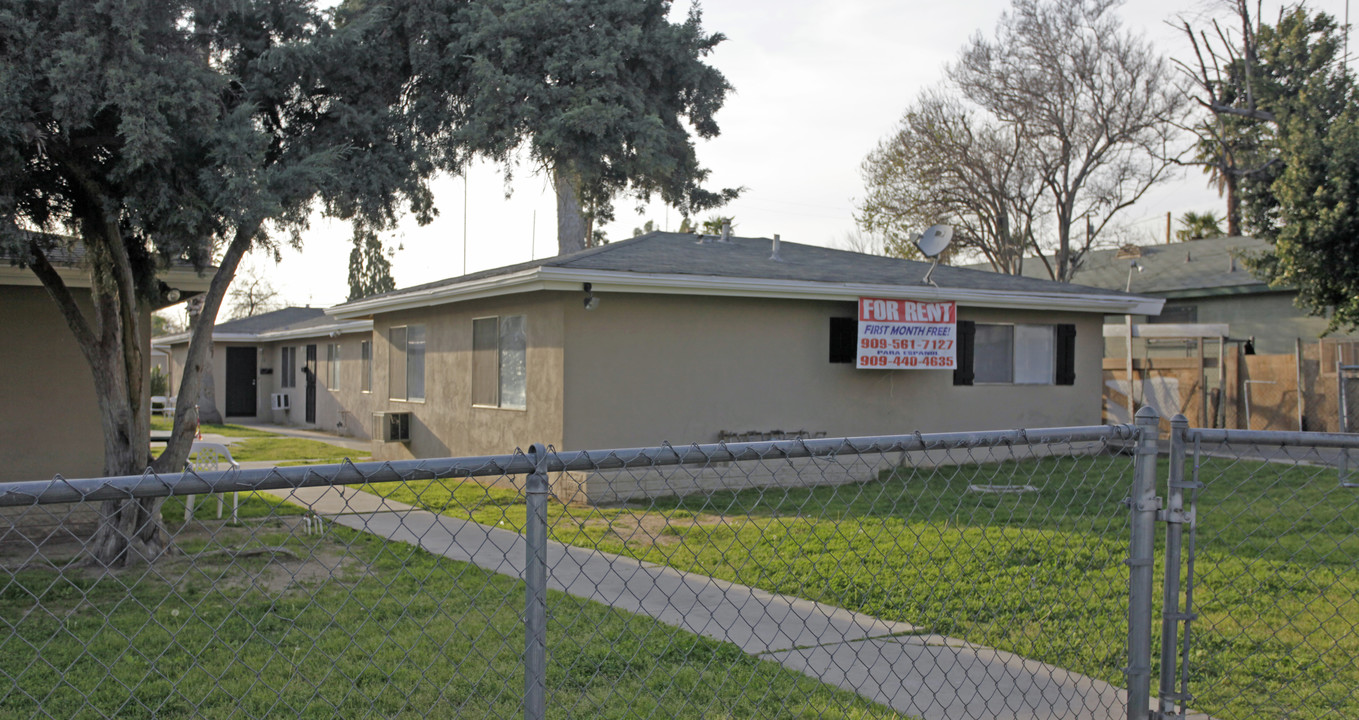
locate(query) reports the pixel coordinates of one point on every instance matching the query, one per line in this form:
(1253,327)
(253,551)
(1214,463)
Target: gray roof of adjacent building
(650,258)
(289,322)
(1213,266)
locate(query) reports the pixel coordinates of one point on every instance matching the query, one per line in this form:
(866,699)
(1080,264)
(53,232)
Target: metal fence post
(1175,518)
(535,578)
(1142,521)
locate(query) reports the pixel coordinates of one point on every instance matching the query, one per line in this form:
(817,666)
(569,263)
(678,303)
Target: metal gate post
(1175,517)
(535,578)
(1143,505)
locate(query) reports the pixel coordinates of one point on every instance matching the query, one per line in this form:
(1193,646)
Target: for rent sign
(907,335)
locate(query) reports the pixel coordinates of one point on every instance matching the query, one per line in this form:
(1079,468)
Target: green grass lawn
(1040,574)
(350,626)
(159,422)
(282,449)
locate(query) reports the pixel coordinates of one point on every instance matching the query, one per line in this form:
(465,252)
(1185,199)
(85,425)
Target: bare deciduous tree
(252,294)
(949,163)
(1094,103)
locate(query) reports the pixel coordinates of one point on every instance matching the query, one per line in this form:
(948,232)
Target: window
(287,367)
(1015,354)
(406,363)
(366,371)
(499,362)
(333,366)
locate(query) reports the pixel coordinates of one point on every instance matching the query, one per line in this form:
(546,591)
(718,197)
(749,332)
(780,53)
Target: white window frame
(500,363)
(1016,345)
(332,366)
(407,365)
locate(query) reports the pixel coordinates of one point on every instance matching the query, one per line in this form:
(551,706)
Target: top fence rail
(1274,437)
(151,484)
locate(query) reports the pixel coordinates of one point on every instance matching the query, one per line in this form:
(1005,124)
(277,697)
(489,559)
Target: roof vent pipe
(1231,263)
(726,231)
(775,257)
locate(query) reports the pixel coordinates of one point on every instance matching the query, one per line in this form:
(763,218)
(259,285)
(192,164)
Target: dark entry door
(309,370)
(240,381)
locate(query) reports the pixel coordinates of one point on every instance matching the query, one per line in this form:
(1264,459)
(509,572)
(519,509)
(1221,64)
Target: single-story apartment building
(49,414)
(667,337)
(294,366)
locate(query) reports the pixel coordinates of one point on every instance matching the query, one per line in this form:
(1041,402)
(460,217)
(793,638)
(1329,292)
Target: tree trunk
(207,393)
(1233,205)
(571,227)
(206,401)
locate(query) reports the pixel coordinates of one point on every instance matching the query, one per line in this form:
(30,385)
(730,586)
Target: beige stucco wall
(445,423)
(49,416)
(643,369)
(345,411)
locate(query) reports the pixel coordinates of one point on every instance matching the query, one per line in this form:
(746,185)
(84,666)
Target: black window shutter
(967,333)
(1066,355)
(844,332)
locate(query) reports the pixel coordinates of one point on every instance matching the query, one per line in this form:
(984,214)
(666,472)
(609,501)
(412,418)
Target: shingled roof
(673,260)
(290,322)
(1187,269)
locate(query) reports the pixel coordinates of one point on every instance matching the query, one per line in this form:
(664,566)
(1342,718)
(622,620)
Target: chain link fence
(1261,611)
(966,575)
(961,575)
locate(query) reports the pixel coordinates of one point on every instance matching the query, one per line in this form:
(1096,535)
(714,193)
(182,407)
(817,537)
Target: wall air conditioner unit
(392,426)
(281,401)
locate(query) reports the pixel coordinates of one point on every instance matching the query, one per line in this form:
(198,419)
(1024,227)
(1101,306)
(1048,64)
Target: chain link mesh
(938,576)
(1273,576)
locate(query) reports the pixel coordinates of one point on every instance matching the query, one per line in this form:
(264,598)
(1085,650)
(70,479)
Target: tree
(603,93)
(1198,226)
(946,164)
(1094,104)
(1249,80)
(163,322)
(252,294)
(185,132)
(713,225)
(370,265)
(1288,101)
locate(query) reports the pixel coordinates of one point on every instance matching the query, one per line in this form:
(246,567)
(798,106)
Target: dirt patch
(228,557)
(651,529)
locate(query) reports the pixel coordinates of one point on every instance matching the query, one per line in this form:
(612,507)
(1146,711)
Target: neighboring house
(1202,281)
(686,340)
(294,366)
(49,415)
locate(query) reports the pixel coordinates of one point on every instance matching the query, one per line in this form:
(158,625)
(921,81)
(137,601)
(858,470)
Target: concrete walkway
(891,663)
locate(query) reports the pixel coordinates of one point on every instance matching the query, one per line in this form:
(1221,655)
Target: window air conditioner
(392,426)
(281,401)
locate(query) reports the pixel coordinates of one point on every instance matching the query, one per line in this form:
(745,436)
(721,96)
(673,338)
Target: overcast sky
(817,84)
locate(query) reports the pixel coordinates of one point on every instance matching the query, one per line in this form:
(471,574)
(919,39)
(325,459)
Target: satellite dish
(935,240)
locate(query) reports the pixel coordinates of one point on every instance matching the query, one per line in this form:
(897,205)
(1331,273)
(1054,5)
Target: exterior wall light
(591,302)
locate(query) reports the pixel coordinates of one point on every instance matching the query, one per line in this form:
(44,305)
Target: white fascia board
(184,279)
(343,328)
(523,281)
(567,279)
(73,277)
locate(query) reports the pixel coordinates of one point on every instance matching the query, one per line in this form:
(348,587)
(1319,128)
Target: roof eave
(567,279)
(339,328)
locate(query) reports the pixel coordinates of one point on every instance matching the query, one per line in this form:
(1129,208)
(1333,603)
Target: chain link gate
(1260,609)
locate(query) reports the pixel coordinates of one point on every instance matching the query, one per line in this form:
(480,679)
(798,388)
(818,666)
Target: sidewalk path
(891,663)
